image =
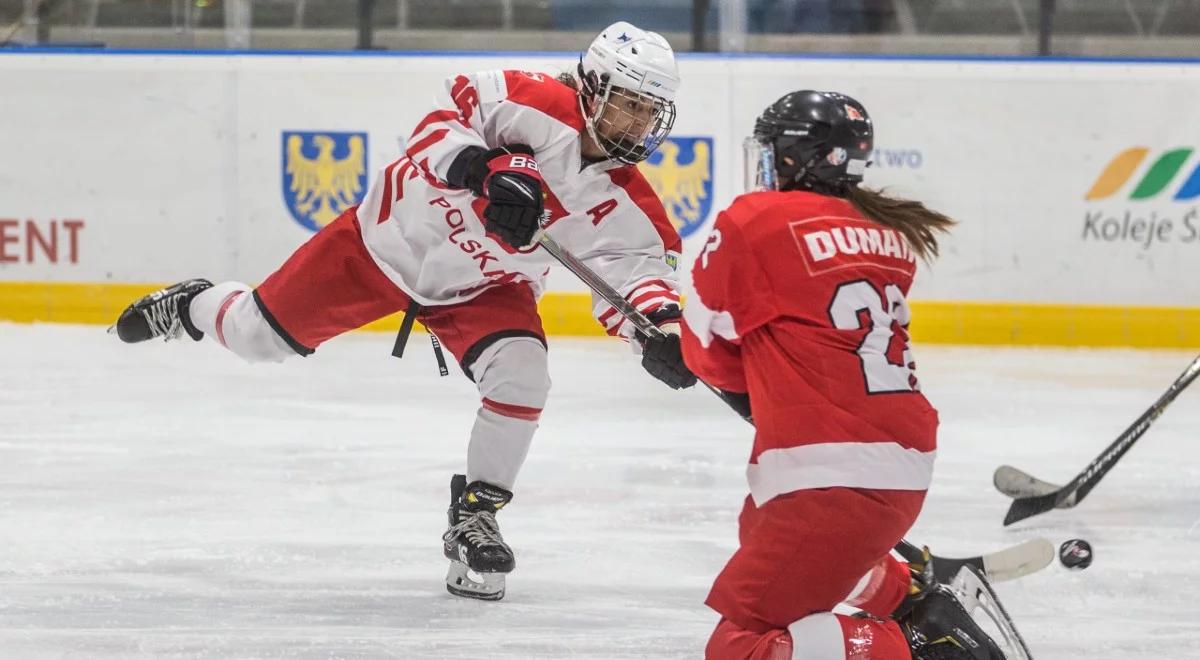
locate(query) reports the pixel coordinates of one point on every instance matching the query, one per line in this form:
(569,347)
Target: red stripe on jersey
(423,171)
(393,178)
(606,316)
(615,331)
(435,117)
(651,295)
(385,205)
(546,95)
(427,141)
(221,315)
(509,410)
(639,190)
(658,284)
(507,278)
(406,172)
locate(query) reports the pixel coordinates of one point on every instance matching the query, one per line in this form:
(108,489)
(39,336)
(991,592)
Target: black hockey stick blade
(1027,507)
(999,566)
(1031,495)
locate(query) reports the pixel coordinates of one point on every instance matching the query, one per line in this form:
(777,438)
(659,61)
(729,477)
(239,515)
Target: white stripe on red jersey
(880,465)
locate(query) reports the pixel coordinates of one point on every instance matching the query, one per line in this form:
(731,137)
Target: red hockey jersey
(799,300)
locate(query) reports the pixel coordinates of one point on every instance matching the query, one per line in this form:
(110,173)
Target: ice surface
(167,500)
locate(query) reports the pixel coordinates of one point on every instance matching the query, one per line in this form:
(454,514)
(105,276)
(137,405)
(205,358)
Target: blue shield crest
(681,172)
(323,174)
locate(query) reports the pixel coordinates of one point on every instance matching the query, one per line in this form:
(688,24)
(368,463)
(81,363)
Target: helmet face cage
(759,171)
(627,125)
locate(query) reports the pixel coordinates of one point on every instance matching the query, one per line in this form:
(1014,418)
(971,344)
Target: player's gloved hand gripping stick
(610,295)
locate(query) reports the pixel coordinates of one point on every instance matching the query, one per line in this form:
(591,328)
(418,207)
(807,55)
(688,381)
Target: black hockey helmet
(810,140)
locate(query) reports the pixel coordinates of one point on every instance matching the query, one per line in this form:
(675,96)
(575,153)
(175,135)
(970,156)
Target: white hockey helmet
(628,79)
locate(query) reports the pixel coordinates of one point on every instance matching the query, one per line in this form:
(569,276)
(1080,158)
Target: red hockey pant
(801,555)
(331,285)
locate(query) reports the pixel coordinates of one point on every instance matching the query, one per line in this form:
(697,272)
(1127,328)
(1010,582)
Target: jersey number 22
(849,303)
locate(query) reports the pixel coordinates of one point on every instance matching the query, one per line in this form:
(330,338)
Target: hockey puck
(1075,554)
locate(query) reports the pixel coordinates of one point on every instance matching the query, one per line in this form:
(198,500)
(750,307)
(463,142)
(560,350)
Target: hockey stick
(999,566)
(1033,496)
(612,297)
(1007,564)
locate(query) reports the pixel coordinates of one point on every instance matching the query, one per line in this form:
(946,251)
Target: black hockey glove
(514,210)
(509,178)
(662,356)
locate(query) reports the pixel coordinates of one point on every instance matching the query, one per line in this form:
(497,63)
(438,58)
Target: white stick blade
(1017,484)
(1019,560)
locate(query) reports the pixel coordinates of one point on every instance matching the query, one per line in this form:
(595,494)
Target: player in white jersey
(446,233)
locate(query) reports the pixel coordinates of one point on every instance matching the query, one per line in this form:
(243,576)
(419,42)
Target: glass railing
(1012,27)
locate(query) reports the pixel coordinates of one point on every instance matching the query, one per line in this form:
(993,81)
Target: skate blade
(462,581)
(976,594)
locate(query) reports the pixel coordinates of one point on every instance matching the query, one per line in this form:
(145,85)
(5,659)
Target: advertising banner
(1075,184)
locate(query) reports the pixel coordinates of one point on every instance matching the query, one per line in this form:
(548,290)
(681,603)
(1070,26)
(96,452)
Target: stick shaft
(614,298)
(1083,483)
(644,325)
(1091,475)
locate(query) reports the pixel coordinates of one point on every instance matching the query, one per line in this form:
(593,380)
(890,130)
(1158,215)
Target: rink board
(1075,182)
(567,313)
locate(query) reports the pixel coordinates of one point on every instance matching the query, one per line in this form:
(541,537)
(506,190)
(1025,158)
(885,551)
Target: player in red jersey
(447,232)
(799,313)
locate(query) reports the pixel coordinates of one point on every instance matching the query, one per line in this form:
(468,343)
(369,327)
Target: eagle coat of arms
(324,174)
(681,173)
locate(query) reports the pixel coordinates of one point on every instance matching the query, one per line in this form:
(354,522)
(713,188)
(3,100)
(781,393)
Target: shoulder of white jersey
(538,91)
(630,179)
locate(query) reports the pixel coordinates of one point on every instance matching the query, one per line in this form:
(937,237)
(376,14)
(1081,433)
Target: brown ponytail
(567,79)
(919,224)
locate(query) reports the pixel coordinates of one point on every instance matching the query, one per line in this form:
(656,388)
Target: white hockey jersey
(429,239)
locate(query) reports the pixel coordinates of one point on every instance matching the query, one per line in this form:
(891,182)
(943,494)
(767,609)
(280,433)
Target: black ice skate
(479,557)
(160,314)
(939,627)
(940,618)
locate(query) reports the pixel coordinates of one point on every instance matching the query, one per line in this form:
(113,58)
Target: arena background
(1079,204)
